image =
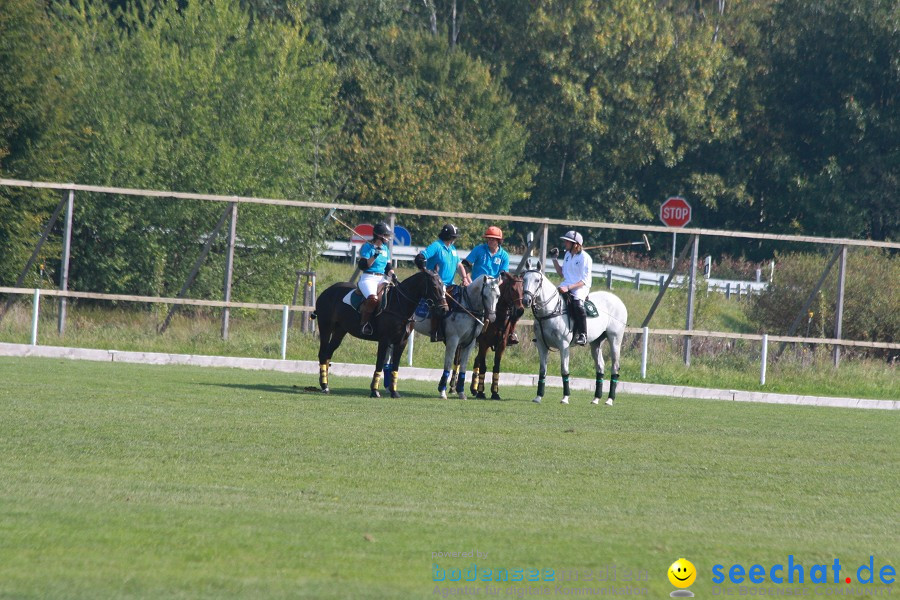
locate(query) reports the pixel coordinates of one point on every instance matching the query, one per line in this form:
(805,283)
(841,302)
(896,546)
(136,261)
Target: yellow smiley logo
(682,573)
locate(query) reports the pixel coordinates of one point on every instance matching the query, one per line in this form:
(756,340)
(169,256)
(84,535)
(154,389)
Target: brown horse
(496,335)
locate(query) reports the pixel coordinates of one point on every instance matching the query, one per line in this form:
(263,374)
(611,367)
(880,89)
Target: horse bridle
(430,303)
(537,302)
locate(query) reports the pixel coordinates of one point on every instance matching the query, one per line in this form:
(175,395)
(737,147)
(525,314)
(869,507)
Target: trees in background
(777,115)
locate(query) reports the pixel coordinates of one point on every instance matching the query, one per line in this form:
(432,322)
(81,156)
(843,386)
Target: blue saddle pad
(422,309)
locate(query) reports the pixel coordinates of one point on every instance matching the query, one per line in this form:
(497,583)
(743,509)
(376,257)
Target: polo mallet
(644,242)
(480,322)
(330,215)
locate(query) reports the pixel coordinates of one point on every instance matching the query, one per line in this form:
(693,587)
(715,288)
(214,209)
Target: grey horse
(553,329)
(462,327)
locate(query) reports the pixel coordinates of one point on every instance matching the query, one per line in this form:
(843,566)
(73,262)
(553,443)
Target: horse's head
(531,286)
(511,293)
(435,293)
(490,295)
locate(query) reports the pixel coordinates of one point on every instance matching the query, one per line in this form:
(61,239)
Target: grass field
(134,481)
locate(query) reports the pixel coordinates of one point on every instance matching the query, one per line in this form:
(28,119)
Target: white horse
(461,328)
(553,329)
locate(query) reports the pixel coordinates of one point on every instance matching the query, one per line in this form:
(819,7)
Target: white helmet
(574,237)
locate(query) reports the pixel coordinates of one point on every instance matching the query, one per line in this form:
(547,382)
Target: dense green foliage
(871,303)
(779,115)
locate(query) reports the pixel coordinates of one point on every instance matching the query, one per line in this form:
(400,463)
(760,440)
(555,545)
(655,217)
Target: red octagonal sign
(675,212)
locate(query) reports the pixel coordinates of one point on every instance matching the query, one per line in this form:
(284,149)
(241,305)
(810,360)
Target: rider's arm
(557,267)
(462,273)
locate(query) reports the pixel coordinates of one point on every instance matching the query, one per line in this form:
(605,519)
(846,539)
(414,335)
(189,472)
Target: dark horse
(391,325)
(496,334)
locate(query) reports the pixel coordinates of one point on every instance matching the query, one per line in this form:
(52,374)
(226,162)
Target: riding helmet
(383,231)
(448,232)
(574,237)
(494,232)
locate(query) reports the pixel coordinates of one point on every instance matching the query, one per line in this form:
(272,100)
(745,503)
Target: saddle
(589,308)
(355,299)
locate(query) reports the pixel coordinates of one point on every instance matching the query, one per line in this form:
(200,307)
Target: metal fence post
(229,267)
(35,309)
(839,312)
(609,279)
(646,333)
(66,254)
(545,232)
(765,355)
(690,300)
(637,280)
(285,313)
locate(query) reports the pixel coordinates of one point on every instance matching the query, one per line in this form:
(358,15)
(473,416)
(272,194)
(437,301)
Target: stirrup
(367,329)
(512,339)
(581,339)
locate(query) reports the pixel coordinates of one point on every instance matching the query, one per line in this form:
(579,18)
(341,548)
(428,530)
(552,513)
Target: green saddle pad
(590,310)
(356,300)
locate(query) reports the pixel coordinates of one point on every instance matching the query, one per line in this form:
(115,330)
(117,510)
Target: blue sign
(402,236)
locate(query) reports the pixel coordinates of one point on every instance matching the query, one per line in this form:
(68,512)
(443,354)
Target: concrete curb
(309,367)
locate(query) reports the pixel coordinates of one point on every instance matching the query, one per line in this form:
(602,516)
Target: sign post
(675,212)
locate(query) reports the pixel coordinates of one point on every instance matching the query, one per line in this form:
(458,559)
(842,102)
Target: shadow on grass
(314,392)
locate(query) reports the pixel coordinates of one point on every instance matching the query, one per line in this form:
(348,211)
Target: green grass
(715,363)
(135,481)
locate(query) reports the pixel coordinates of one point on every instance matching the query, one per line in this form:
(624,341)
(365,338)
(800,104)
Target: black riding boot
(437,329)
(579,321)
(365,314)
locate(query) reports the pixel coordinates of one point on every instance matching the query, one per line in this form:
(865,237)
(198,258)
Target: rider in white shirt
(576,284)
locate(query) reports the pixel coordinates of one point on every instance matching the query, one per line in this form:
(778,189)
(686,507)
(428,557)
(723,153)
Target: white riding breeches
(368,283)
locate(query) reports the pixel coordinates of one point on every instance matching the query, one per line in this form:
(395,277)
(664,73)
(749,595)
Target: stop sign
(362,233)
(675,212)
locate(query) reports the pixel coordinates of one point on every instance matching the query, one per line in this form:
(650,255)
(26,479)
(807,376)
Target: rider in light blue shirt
(491,260)
(442,256)
(488,258)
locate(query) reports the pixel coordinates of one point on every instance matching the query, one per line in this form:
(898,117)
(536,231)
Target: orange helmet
(494,232)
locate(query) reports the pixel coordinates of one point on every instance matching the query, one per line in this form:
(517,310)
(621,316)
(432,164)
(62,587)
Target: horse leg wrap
(565,379)
(376,381)
(495,382)
(475,375)
(613,382)
(598,386)
(542,376)
(323,375)
(442,384)
(395,375)
(461,383)
(387,375)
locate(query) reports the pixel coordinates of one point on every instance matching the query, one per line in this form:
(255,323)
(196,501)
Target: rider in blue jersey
(441,256)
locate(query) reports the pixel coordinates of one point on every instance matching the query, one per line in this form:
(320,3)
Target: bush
(871,305)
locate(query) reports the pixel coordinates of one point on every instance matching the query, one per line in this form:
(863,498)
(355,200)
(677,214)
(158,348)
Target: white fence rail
(645,332)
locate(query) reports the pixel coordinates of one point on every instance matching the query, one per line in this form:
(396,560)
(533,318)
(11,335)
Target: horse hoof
(609,401)
(375,394)
(595,401)
(565,400)
(462,396)
(395,394)
(325,390)
(443,394)
(480,396)
(537,400)
(495,396)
